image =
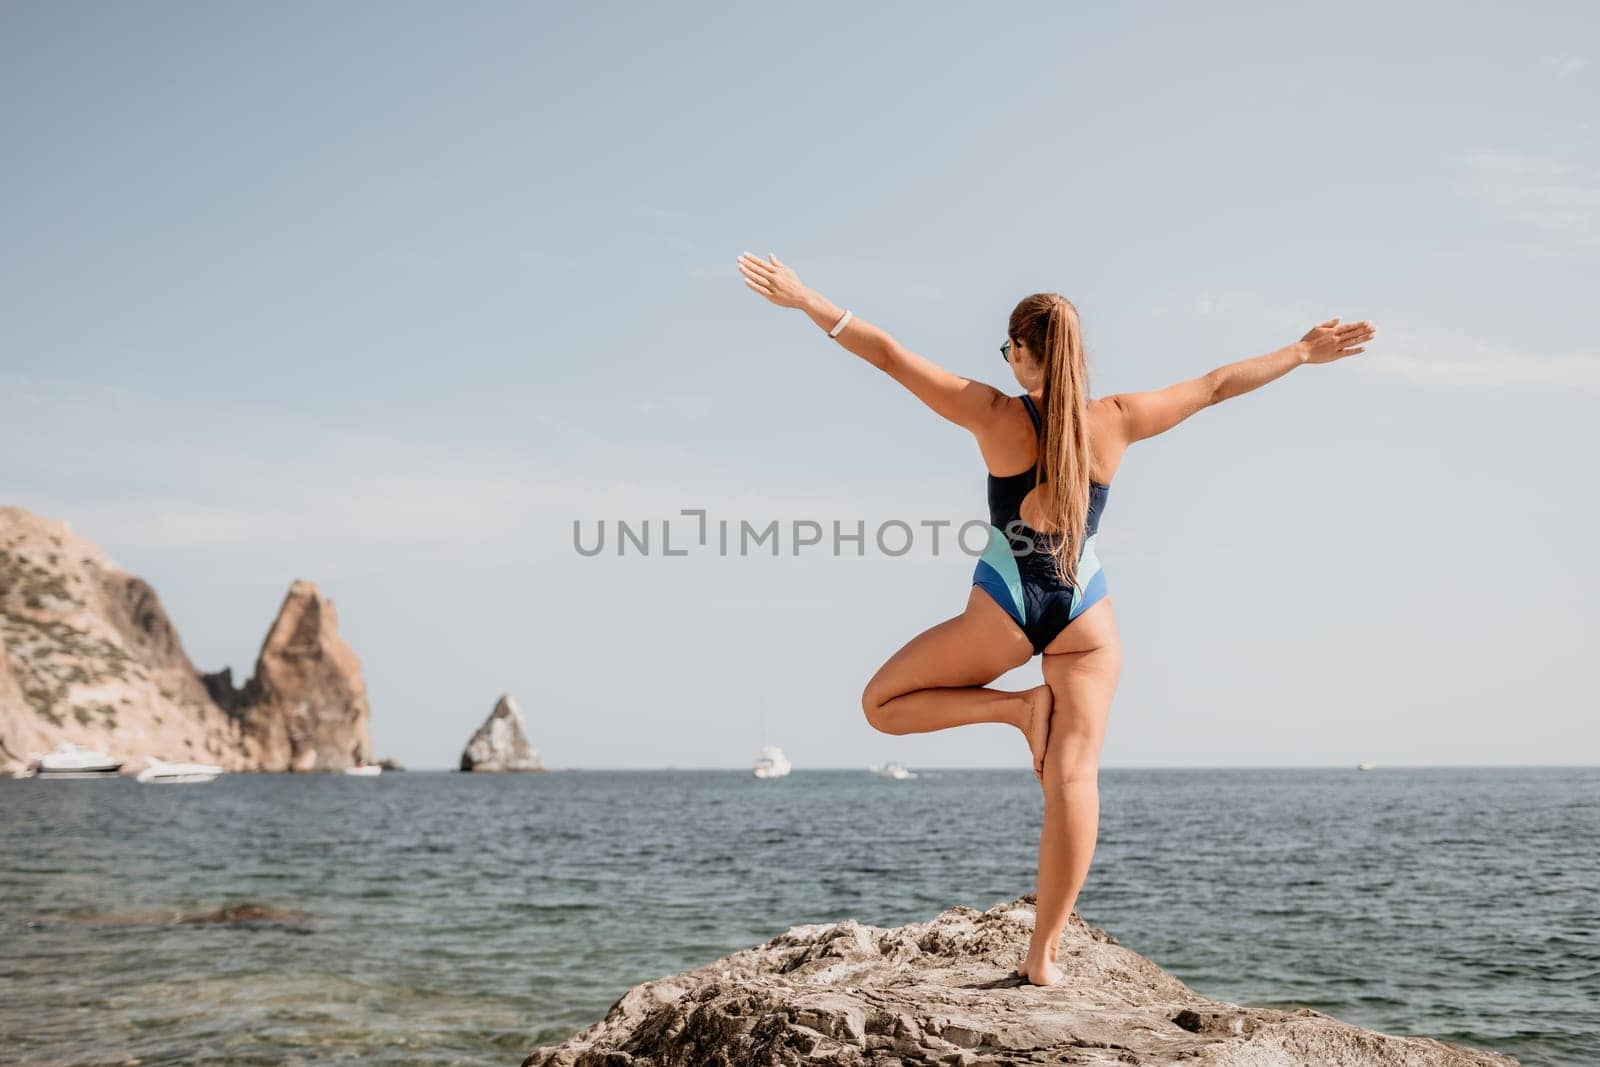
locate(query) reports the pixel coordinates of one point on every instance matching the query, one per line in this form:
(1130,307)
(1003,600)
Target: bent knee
(873,699)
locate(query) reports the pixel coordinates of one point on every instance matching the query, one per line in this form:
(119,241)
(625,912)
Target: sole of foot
(1040,702)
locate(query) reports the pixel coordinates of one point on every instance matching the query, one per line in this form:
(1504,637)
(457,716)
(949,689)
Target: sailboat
(772,763)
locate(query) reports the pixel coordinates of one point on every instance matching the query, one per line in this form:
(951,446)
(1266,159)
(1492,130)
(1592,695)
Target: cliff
(305,708)
(946,992)
(87,654)
(501,743)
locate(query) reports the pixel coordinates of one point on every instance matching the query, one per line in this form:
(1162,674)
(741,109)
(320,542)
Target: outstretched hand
(772,279)
(1330,341)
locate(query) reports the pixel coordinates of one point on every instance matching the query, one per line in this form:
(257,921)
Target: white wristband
(840,324)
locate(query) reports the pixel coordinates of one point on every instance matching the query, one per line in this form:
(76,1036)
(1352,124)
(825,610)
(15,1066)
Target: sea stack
(305,708)
(946,992)
(501,743)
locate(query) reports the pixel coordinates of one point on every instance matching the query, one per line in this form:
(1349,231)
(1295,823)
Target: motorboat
(892,770)
(1366,765)
(160,771)
(74,761)
(365,770)
(772,764)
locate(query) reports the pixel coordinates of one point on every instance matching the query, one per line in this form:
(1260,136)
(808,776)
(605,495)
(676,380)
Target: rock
(501,743)
(305,708)
(946,992)
(389,763)
(88,655)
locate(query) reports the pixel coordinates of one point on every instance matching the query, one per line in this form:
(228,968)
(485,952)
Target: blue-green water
(446,918)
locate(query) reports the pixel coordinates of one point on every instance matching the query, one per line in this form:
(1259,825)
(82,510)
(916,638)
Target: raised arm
(963,401)
(1147,414)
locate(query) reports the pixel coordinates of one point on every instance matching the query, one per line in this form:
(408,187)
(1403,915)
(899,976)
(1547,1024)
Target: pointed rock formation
(946,992)
(88,655)
(501,743)
(305,708)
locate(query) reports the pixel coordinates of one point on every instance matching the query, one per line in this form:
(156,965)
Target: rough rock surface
(88,655)
(501,743)
(946,992)
(305,708)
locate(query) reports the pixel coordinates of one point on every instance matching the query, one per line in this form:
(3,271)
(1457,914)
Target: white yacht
(365,770)
(1366,765)
(160,771)
(772,764)
(74,761)
(893,770)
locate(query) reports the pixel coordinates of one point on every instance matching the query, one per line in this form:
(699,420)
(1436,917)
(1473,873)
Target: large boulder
(501,743)
(946,992)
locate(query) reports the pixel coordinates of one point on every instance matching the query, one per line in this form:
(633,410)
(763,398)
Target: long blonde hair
(1048,324)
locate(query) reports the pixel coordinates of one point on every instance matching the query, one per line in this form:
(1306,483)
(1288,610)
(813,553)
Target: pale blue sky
(386,295)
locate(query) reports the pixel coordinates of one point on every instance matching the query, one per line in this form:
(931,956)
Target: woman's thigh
(1082,684)
(973,648)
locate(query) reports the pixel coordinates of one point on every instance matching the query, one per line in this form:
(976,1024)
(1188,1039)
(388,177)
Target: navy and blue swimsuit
(1025,582)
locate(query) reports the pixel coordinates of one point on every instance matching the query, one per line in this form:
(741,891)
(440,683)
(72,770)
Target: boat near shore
(74,761)
(160,772)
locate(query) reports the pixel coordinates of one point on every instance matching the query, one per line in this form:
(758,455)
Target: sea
(442,918)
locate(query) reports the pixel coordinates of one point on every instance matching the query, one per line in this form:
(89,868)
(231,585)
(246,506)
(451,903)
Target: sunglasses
(1005,350)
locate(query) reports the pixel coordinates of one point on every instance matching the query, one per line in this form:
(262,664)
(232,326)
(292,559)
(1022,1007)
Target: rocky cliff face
(87,654)
(305,708)
(92,658)
(501,743)
(946,992)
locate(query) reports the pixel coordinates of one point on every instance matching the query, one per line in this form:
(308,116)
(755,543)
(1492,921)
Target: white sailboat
(772,763)
(161,772)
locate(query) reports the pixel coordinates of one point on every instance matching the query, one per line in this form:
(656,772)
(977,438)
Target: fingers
(756,263)
(763,290)
(755,279)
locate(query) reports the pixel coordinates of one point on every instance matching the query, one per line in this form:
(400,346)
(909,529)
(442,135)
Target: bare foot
(1038,729)
(1026,969)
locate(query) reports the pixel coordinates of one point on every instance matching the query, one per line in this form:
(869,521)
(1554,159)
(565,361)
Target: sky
(391,296)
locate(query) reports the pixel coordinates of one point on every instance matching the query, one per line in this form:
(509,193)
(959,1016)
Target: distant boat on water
(892,770)
(161,772)
(1366,765)
(74,761)
(365,770)
(772,764)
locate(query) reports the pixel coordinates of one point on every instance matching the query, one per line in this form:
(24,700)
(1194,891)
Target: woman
(1038,590)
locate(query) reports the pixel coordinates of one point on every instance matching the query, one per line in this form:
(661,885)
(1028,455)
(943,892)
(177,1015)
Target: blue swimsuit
(1027,585)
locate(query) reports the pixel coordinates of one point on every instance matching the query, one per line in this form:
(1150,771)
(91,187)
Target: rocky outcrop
(88,655)
(501,743)
(305,708)
(946,992)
